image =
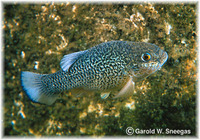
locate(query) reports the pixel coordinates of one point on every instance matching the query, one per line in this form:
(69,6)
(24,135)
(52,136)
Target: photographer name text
(167,131)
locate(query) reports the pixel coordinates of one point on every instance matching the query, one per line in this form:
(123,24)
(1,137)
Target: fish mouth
(164,57)
(153,67)
(161,61)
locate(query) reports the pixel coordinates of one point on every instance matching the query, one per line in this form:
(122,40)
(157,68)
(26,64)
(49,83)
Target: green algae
(46,32)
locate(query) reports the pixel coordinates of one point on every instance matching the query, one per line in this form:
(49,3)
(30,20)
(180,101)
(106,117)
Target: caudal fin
(35,89)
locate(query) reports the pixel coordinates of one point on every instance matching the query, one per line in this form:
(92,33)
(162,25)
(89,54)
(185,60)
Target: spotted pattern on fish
(105,67)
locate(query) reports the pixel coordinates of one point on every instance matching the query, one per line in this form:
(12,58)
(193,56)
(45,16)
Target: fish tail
(35,89)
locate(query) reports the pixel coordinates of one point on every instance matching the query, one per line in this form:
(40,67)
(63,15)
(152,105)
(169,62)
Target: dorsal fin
(69,59)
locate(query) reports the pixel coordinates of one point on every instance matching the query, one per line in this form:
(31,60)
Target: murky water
(36,36)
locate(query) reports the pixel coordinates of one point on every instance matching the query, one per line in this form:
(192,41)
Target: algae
(36,36)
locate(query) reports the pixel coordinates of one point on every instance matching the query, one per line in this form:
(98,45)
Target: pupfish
(108,68)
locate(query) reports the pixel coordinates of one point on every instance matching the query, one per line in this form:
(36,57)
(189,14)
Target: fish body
(111,67)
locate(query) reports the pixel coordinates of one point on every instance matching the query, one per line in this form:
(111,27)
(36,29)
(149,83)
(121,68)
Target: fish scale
(107,68)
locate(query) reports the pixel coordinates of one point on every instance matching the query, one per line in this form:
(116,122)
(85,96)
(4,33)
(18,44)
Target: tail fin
(35,89)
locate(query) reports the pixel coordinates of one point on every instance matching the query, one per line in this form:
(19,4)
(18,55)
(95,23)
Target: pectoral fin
(127,89)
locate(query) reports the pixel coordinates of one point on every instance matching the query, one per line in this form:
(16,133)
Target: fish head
(147,59)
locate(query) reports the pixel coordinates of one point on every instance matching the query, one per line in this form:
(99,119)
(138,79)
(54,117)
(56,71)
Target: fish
(108,68)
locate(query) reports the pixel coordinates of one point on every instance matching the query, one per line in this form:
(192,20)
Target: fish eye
(146,57)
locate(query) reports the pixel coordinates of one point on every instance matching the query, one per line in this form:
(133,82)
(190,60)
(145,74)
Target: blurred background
(37,36)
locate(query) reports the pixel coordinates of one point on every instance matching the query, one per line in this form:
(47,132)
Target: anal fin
(79,92)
